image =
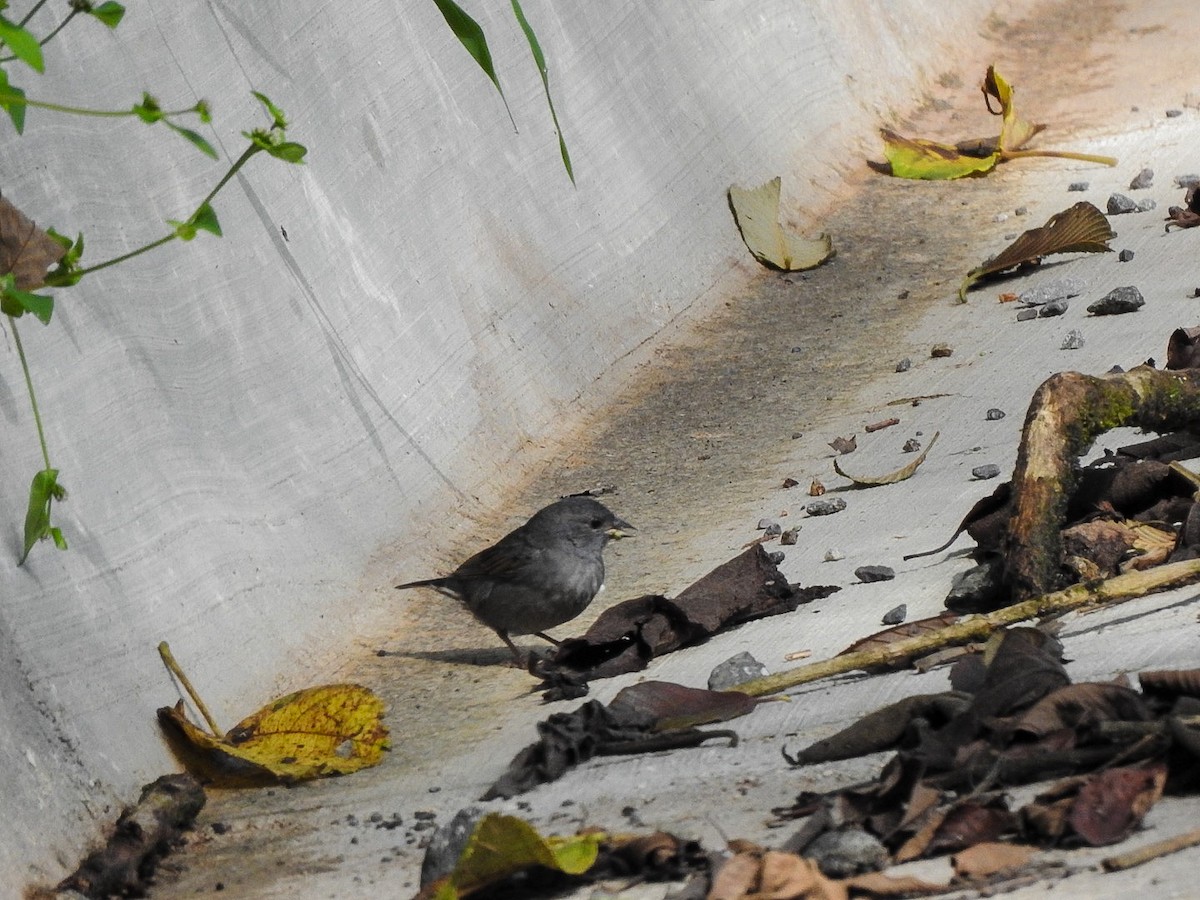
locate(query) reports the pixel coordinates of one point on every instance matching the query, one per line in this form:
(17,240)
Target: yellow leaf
(503,845)
(929,160)
(332,729)
(756,213)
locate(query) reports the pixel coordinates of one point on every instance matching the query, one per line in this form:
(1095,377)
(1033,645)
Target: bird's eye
(597,523)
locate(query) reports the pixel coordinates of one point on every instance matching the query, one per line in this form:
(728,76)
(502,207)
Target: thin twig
(1123,861)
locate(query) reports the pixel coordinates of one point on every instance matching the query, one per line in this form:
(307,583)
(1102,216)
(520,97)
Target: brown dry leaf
(756,212)
(1183,347)
(1113,802)
(1081,707)
(1188,215)
(673,706)
(904,631)
(785,876)
(332,729)
(845,445)
(737,877)
(1171,682)
(988,858)
(901,474)
(25,250)
(1080,229)
(880,884)
(816,488)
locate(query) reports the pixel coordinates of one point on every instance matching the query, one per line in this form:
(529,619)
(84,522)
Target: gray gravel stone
(840,854)
(874,573)
(1053,308)
(988,470)
(1024,315)
(1174,113)
(825,506)
(1125,255)
(734,671)
(1077,186)
(1124,299)
(1118,204)
(975,590)
(1186,181)
(994,414)
(895,615)
(1054,289)
(904,365)
(833,554)
(1147,205)
(1142,180)
(1073,340)
(912,445)
(790,536)
(447,842)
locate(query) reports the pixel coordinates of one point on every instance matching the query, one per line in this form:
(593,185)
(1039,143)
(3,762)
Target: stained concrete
(697,440)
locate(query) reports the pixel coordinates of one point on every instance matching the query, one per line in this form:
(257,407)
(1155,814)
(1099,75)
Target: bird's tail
(425,582)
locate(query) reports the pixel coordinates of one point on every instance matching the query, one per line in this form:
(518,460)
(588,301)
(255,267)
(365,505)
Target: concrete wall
(244,423)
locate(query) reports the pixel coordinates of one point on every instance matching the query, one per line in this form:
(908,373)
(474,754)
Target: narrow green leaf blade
(279,120)
(471,36)
(197,141)
(288,151)
(110,13)
(24,45)
(539,59)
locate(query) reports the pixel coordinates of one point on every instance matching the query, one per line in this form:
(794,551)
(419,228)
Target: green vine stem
(37,416)
(9,98)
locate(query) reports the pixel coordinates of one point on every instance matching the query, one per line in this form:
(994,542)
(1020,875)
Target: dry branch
(1068,412)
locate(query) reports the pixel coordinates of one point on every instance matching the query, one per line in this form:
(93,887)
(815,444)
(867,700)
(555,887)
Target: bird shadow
(473,656)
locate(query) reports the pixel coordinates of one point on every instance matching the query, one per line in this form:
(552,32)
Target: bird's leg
(517,657)
(546,637)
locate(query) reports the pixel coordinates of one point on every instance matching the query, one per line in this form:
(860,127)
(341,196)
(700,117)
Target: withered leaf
(901,474)
(756,212)
(902,632)
(1081,228)
(1082,706)
(1183,347)
(844,445)
(1113,802)
(671,705)
(990,857)
(1171,682)
(25,250)
(1188,215)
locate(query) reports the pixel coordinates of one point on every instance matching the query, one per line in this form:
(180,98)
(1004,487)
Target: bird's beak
(619,529)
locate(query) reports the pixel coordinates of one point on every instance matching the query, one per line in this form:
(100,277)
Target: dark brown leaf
(1183,347)
(672,706)
(1080,229)
(1188,215)
(904,631)
(1171,683)
(1082,707)
(1114,802)
(844,445)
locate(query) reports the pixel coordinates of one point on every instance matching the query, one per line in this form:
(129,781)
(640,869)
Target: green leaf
(110,13)
(44,490)
(185,231)
(201,109)
(15,302)
(471,36)
(279,119)
(930,160)
(540,59)
(12,100)
(288,151)
(205,219)
(197,141)
(66,273)
(24,45)
(148,110)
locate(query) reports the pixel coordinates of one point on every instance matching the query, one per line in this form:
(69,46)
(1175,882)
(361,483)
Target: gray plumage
(540,575)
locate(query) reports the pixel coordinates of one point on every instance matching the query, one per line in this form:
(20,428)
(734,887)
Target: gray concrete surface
(267,583)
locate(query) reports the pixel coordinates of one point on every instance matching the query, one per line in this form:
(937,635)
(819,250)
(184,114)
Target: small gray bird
(542,574)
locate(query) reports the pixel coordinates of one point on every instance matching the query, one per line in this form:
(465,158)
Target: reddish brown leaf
(1114,802)
(1078,707)
(904,631)
(676,706)
(25,250)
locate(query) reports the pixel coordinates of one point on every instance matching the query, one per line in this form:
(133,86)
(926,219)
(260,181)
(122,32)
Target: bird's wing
(510,559)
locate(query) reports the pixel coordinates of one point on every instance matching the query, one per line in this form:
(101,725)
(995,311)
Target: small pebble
(1077,186)
(1125,255)
(1053,308)
(1174,113)
(1196,292)
(789,483)
(868,574)
(776,558)
(833,555)
(976,590)
(895,615)
(1142,180)
(448,842)
(1147,205)
(826,506)
(840,854)
(1073,340)
(912,445)
(994,414)
(790,536)
(1021,211)
(734,671)
(984,472)
(771,528)
(1000,217)
(1186,181)
(904,365)
(1024,315)
(1119,204)
(1055,289)
(903,295)
(940,351)
(1119,300)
